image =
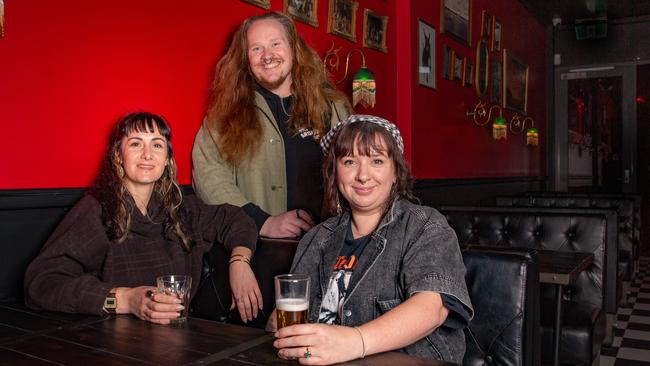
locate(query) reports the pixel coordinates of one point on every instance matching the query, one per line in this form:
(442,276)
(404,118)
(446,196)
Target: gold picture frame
(448,62)
(456,20)
(515,83)
(305,11)
(459,67)
(264,4)
(496,34)
(2,18)
(342,19)
(375,27)
(486,24)
(467,72)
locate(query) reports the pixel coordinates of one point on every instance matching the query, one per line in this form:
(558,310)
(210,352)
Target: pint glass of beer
(292,299)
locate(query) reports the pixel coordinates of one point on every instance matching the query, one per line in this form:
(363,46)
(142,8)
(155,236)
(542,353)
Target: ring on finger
(307,353)
(240,300)
(150,294)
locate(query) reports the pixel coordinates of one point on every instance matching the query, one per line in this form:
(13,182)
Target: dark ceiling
(570,10)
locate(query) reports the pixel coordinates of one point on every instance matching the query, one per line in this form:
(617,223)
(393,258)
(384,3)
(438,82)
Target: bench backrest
(503,284)
(625,206)
(562,229)
(636,198)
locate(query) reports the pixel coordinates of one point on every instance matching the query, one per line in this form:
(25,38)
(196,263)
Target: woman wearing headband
(386,274)
(135,225)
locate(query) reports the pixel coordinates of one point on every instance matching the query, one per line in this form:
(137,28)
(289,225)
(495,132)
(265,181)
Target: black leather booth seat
(595,290)
(628,244)
(503,284)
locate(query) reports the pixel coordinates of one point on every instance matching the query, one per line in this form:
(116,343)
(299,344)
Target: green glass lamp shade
(500,121)
(499,128)
(532,136)
(364,88)
(364,74)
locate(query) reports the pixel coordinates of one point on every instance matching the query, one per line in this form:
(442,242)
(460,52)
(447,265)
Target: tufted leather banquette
(503,284)
(628,245)
(636,221)
(593,294)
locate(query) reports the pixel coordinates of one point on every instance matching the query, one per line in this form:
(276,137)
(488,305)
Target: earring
(339,211)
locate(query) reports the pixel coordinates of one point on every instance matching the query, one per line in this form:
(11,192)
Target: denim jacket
(413,249)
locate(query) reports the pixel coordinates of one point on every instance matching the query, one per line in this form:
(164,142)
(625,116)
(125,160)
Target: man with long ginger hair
(258,146)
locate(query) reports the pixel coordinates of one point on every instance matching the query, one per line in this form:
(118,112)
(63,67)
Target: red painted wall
(70,68)
(445,143)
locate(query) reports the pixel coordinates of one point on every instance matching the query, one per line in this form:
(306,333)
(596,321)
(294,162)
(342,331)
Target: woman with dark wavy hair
(270,104)
(386,273)
(134,226)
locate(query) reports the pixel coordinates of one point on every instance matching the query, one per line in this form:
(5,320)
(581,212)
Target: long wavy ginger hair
(112,194)
(232,111)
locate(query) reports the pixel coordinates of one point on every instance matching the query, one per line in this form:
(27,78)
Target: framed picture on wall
(302,10)
(264,4)
(427,54)
(448,63)
(515,81)
(456,19)
(497,82)
(467,73)
(486,24)
(374,30)
(496,34)
(2,18)
(342,19)
(458,66)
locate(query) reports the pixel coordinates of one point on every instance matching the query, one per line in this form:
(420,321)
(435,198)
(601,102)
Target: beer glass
(292,299)
(179,286)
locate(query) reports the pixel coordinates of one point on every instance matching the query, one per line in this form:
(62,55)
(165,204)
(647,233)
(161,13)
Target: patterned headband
(326,141)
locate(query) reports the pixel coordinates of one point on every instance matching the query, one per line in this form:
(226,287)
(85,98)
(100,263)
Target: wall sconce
(481,116)
(364,87)
(517,125)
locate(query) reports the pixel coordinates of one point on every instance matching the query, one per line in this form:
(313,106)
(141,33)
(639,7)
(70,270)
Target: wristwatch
(110,303)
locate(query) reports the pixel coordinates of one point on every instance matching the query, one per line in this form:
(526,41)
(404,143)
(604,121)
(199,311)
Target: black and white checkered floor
(631,346)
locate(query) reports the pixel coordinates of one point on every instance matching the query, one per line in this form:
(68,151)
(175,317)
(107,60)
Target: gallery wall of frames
(70,68)
(473,53)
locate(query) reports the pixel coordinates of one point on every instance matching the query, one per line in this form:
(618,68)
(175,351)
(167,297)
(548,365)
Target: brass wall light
(481,115)
(518,125)
(364,87)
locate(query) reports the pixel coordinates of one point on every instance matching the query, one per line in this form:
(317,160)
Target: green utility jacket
(260,180)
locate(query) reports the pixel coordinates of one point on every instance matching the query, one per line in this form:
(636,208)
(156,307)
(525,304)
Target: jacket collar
(261,104)
(340,222)
(331,247)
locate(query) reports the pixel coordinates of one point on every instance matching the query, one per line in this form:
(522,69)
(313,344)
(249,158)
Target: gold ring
(308,353)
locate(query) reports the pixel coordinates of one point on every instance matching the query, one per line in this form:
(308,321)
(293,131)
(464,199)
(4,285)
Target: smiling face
(270,56)
(366,181)
(144,158)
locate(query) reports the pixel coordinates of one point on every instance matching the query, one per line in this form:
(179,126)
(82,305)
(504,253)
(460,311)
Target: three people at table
(386,273)
(258,148)
(136,225)
(391,271)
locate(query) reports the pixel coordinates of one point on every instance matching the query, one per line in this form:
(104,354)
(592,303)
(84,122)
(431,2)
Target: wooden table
(29,337)
(561,269)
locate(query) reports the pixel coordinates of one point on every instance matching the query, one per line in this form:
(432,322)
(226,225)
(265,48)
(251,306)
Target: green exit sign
(591,28)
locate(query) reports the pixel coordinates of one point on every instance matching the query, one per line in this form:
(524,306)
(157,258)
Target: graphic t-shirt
(340,277)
